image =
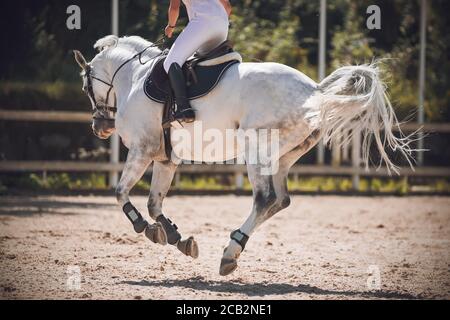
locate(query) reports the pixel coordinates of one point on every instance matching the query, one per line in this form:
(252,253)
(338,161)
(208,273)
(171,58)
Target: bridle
(102,110)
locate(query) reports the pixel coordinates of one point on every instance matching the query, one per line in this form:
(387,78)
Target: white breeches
(202,34)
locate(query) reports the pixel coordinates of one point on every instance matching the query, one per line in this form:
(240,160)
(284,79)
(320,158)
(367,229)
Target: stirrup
(181,115)
(184,120)
(175,122)
(172,122)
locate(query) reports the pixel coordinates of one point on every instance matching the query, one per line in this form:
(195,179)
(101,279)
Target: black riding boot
(184,112)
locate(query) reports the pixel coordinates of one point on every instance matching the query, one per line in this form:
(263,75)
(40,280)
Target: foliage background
(38,71)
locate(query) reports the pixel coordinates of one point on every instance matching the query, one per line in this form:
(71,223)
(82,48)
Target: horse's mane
(131,43)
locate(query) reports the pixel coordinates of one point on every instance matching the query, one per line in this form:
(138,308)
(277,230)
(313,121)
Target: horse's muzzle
(103,128)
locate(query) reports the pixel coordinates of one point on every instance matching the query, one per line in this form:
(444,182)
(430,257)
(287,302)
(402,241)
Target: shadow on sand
(263,289)
(14,206)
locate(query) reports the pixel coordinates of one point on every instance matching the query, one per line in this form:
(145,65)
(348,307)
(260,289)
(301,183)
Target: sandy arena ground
(319,248)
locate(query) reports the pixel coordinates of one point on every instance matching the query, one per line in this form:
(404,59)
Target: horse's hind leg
(269,197)
(162,177)
(135,166)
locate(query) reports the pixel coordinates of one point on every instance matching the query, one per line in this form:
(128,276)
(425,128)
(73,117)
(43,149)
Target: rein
(103,108)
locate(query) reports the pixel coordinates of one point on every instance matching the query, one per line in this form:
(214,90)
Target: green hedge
(43,96)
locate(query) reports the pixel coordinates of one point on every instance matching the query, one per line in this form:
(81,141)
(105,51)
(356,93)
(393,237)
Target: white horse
(249,96)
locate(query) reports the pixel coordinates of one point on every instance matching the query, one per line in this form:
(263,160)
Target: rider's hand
(168,31)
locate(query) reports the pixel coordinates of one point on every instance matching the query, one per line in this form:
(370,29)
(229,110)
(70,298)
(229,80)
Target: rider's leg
(178,83)
(198,34)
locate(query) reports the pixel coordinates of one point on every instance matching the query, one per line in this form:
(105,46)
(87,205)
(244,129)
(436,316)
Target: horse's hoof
(156,233)
(189,247)
(227,266)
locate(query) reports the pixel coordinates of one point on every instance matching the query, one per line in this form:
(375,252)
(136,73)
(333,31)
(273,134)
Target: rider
(207,28)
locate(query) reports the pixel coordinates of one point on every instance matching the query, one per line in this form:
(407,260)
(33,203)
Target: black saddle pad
(157,86)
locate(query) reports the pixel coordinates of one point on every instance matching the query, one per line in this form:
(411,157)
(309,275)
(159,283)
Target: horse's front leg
(162,177)
(137,162)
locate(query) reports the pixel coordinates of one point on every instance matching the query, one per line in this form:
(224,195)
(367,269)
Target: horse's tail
(353,99)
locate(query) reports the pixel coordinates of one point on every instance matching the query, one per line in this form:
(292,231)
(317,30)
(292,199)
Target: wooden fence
(355,170)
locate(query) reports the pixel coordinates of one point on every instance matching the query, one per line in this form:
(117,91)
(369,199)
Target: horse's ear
(80,59)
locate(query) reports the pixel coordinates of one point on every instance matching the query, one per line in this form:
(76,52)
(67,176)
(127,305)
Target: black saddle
(200,79)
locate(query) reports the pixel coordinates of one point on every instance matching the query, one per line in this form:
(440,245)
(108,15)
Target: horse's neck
(133,69)
(122,77)
(115,60)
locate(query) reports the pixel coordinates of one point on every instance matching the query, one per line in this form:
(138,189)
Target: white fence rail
(355,170)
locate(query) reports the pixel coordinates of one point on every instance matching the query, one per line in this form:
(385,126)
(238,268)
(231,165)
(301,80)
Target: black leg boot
(184,112)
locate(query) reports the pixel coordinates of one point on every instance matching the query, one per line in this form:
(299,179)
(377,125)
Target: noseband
(102,110)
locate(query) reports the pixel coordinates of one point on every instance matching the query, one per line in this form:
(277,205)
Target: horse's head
(100,91)
(98,76)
